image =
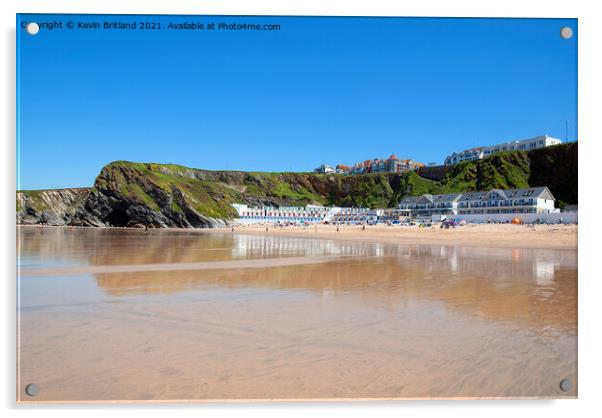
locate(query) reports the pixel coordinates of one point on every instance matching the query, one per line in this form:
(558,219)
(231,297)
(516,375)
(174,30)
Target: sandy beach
(482,235)
(561,237)
(113,314)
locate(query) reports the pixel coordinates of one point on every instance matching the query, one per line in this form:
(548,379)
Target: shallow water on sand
(103,316)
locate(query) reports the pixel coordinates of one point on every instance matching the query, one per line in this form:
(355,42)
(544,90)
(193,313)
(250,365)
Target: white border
(590,290)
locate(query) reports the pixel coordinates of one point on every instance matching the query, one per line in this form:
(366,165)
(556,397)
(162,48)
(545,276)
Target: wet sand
(486,235)
(369,320)
(208,265)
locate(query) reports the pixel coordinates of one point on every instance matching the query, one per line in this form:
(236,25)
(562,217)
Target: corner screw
(32,389)
(566,32)
(32,28)
(566,385)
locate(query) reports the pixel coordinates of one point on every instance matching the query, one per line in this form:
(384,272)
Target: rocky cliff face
(127,194)
(50,207)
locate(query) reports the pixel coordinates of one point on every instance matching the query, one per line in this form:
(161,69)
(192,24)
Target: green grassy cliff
(212,193)
(130,193)
(555,167)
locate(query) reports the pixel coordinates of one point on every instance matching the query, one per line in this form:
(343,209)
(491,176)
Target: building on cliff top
(479,153)
(393,164)
(325,169)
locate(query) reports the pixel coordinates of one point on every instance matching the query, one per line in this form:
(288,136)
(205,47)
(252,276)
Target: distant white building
(295,214)
(325,169)
(482,152)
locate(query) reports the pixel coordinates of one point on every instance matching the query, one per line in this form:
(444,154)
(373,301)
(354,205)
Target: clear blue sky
(334,90)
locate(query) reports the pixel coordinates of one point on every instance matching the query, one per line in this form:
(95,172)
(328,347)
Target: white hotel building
(479,153)
(495,204)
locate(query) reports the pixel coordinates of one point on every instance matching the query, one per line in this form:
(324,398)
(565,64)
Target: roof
(498,193)
(464,152)
(451,197)
(476,149)
(493,194)
(431,198)
(408,200)
(531,192)
(425,198)
(393,157)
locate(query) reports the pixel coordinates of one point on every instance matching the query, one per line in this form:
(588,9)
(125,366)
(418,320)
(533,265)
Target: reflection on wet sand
(503,291)
(99,247)
(374,321)
(146,268)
